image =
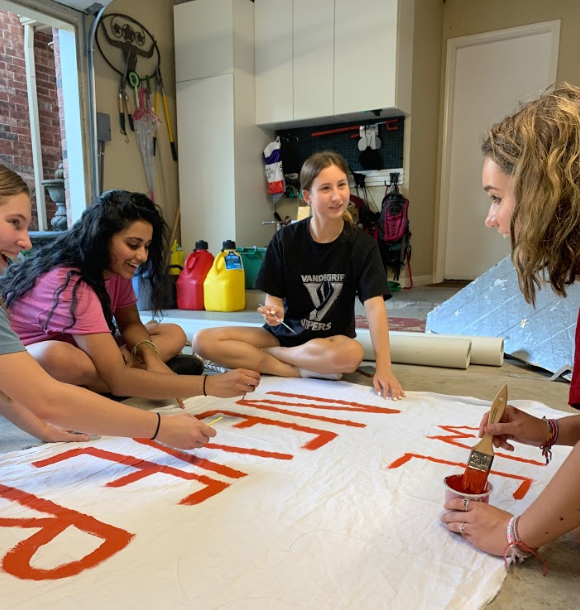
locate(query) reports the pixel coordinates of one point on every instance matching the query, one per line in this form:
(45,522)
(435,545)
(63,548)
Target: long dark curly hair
(85,248)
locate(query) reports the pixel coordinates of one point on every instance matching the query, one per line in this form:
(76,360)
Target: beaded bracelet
(553,432)
(516,551)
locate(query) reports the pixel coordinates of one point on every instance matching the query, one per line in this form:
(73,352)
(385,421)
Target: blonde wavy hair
(315,164)
(539,147)
(11,184)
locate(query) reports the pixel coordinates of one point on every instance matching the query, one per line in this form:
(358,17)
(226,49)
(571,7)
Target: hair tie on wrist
(158,426)
(204,380)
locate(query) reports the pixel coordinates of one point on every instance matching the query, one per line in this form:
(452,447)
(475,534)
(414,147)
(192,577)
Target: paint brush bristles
(278,320)
(481,456)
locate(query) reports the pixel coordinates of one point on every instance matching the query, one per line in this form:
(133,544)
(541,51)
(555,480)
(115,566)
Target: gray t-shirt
(9,341)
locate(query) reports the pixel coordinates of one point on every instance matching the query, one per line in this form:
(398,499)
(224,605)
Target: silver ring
(466,502)
(461,526)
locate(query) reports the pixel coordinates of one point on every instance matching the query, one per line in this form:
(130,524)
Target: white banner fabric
(314,495)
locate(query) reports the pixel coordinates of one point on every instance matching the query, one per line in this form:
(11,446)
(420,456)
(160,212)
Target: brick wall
(15,140)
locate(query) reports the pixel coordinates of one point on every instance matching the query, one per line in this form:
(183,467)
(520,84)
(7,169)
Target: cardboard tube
(419,348)
(428,349)
(484,350)
(488,351)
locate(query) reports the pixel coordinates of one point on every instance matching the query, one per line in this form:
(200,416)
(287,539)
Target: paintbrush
(278,320)
(481,456)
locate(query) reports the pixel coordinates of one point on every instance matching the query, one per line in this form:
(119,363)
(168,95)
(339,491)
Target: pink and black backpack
(393,234)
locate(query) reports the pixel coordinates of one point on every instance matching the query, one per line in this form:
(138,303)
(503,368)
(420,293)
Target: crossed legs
(68,363)
(257,349)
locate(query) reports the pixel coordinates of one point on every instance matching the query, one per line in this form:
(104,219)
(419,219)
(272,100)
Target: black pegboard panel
(298,144)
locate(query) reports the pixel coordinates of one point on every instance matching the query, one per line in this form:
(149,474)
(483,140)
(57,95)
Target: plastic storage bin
(252,259)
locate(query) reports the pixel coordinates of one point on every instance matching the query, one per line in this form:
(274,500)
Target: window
(43,113)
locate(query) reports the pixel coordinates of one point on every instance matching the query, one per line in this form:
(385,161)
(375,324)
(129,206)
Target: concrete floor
(524,587)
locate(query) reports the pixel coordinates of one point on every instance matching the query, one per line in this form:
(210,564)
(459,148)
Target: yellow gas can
(176,261)
(224,287)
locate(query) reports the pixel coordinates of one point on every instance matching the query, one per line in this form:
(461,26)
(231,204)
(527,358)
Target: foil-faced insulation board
(492,305)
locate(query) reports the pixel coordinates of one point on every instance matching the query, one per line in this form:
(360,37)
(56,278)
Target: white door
(487,76)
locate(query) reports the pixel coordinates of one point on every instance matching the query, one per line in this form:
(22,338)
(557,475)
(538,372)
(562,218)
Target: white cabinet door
(204,40)
(365,55)
(273,61)
(313,58)
(205,119)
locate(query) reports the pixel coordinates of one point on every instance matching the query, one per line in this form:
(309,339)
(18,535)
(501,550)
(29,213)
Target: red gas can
(191,279)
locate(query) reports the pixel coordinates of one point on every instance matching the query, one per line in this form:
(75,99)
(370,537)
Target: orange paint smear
(247,451)
(17,560)
(257,405)
(144,469)
(322,437)
(357,405)
(520,492)
(189,458)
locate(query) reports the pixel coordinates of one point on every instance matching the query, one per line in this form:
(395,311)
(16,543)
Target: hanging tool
(155,108)
(126,108)
(103,135)
(123,103)
(134,81)
(390,125)
(161,91)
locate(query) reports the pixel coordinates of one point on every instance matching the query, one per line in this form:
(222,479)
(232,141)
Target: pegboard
(299,143)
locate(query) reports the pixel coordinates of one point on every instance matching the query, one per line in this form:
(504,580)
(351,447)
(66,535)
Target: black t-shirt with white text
(319,282)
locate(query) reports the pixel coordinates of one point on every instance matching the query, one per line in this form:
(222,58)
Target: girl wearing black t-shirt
(311,274)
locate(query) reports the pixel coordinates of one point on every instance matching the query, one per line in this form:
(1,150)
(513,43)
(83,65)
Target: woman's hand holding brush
(515,425)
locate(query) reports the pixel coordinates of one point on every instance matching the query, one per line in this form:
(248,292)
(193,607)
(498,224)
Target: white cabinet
(273,52)
(319,59)
(365,67)
(204,44)
(313,65)
(222,186)
(205,124)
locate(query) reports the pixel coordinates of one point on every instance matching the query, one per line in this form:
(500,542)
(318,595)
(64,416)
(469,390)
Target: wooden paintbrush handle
(498,406)
(495,414)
